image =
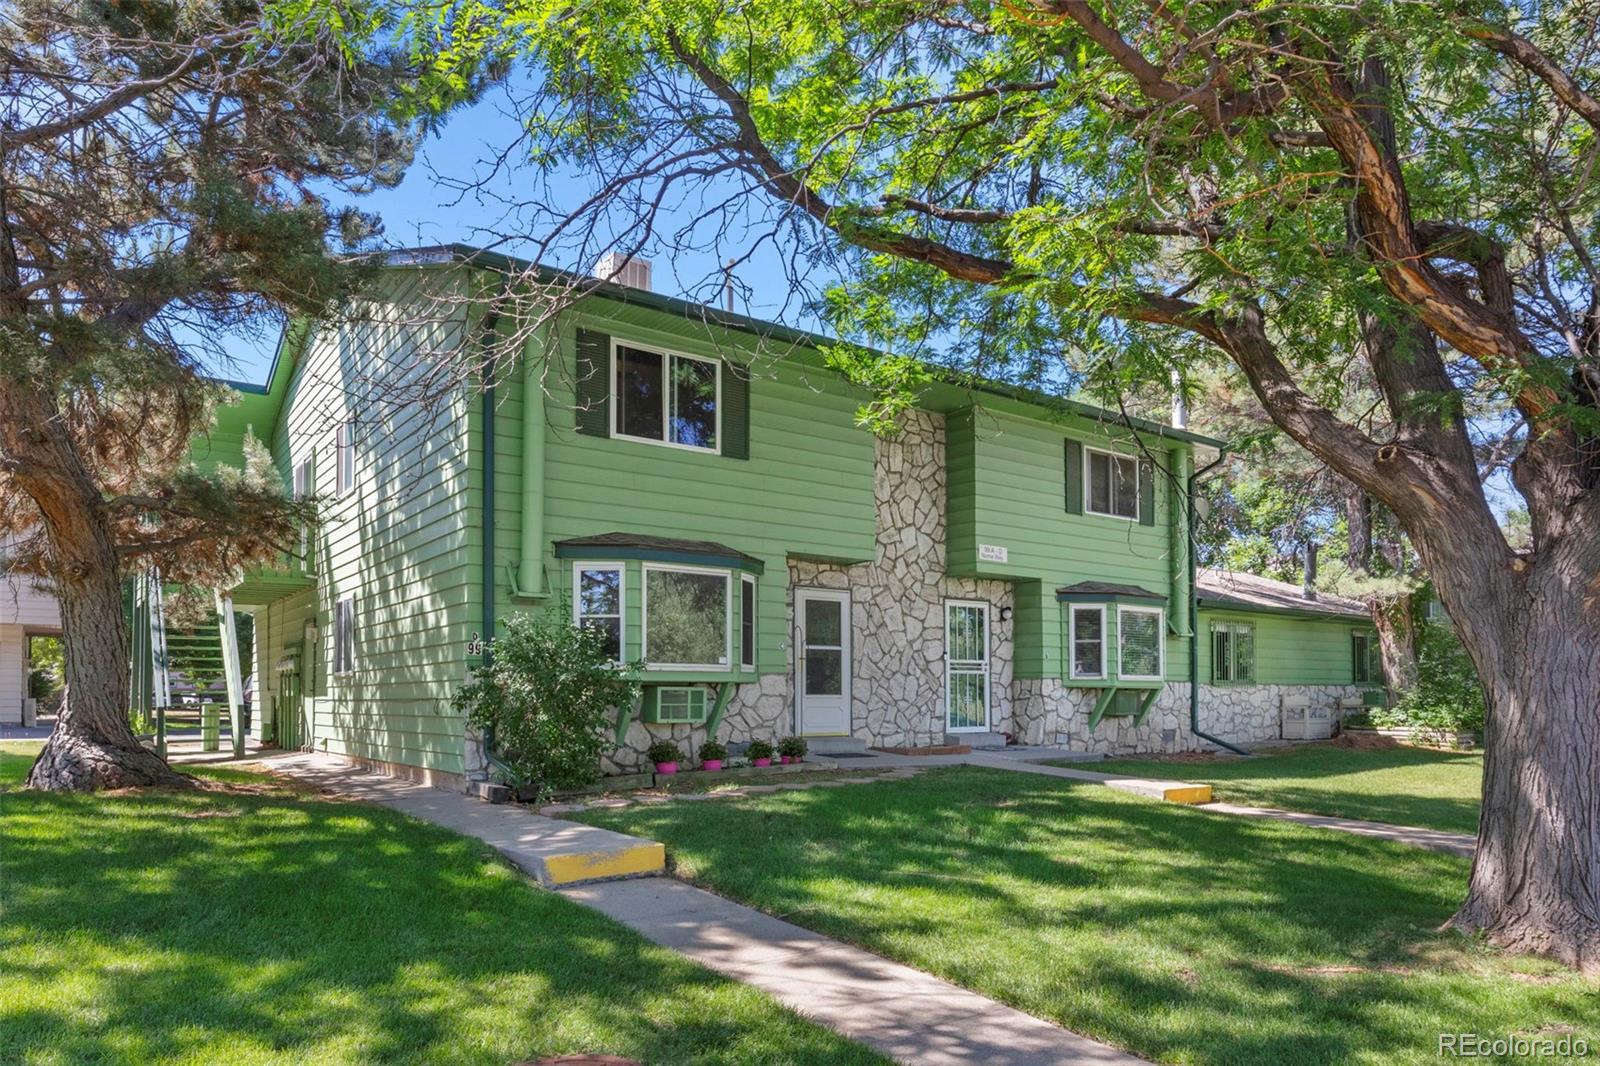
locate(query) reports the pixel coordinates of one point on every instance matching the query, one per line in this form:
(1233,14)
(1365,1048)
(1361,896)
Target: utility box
(1302,721)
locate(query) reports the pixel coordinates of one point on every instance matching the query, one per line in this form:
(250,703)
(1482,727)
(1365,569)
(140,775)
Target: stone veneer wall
(897,619)
(1049,712)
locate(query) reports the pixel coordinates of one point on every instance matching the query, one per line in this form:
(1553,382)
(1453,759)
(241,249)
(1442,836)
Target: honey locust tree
(167,173)
(1135,187)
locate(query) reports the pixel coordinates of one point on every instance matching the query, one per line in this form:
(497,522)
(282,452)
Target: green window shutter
(1147,493)
(594,383)
(1074,477)
(735,411)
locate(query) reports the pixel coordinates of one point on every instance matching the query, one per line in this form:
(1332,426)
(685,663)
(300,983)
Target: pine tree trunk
(1397,641)
(92,746)
(1535,883)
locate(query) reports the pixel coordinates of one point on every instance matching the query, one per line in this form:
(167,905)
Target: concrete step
(834,745)
(977,741)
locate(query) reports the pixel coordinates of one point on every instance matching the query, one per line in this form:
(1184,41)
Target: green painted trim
(1101,705)
(724,697)
(1120,598)
(624,717)
(655,555)
(1148,701)
(1111,682)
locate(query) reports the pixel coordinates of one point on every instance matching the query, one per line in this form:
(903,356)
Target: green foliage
(712,750)
(793,747)
(547,696)
(1448,697)
(663,751)
(47,667)
(759,749)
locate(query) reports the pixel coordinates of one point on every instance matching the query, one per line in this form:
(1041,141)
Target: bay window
(686,618)
(1141,650)
(597,602)
(1087,638)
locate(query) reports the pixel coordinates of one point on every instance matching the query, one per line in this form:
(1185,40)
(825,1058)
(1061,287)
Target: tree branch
(1535,61)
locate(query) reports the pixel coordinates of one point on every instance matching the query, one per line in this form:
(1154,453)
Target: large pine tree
(165,175)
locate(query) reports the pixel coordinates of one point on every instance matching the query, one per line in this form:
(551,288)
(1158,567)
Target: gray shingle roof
(1220,588)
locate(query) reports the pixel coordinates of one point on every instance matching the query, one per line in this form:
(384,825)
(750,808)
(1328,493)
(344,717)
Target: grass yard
(1182,935)
(266,927)
(1401,785)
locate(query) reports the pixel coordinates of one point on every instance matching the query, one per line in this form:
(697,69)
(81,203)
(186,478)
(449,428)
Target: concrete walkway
(904,1013)
(1433,839)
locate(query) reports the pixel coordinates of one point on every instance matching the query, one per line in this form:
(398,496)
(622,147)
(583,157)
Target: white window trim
(340,666)
(1072,640)
(1088,485)
(344,457)
(1234,631)
(621,569)
(667,355)
(755,625)
(1161,643)
(987,667)
(727,615)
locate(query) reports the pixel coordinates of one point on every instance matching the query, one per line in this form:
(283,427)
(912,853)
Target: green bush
(1448,697)
(793,747)
(663,751)
(759,749)
(549,696)
(712,750)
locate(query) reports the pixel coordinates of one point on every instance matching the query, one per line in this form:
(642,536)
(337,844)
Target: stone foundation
(1049,712)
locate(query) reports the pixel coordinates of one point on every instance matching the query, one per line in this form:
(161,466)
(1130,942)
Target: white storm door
(822,662)
(966,658)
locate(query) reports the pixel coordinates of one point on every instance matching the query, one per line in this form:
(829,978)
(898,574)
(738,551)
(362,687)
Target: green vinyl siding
(1289,650)
(1007,489)
(805,490)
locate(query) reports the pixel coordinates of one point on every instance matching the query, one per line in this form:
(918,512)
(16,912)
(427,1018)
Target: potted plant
(666,756)
(760,753)
(792,749)
(711,756)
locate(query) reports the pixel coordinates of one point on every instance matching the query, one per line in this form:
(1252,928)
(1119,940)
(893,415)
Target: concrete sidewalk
(554,853)
(1433,839)
(908,1015)
(904,1013)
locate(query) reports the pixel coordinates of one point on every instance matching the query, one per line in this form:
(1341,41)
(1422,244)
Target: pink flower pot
(787,759)
(711,765)
(666,767)
(760,762)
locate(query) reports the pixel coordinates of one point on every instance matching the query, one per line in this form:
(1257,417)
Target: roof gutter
(1194,614)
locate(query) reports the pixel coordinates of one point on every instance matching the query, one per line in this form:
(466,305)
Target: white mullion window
(1110,484)
(345,456)
(599,601)
(302,492)
(344,635)
(1233,651)
(688,617)
(1086,640)
(666,398)
(1141,643)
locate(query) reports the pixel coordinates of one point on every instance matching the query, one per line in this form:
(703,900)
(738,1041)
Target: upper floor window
(1141,651)
(302,492)
(1111,484)
(1233,652)
(344,477)
(686,617)
(1088,640)
(597,603)
(344,635)
(666,398)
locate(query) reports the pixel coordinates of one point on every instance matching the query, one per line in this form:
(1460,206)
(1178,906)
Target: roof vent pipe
(1309,589)
(1180,407)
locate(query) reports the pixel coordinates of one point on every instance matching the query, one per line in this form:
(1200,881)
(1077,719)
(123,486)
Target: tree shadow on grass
(1182,934)
(242,929)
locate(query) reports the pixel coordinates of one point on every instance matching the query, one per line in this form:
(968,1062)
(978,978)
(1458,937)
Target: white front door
(822,662)
(966,663)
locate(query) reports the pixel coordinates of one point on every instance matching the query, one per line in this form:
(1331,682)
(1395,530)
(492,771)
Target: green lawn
(1183,935)
(1404,785)
(224,927)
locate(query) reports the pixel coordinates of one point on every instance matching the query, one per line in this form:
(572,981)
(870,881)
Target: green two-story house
(694,483)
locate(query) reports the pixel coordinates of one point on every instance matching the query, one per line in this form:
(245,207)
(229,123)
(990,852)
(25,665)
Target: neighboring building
(1008,564)
(26,611)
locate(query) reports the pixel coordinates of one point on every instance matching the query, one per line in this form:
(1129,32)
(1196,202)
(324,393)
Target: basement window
(666,398)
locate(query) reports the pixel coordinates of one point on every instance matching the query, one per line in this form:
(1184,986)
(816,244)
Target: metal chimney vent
(624,270)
